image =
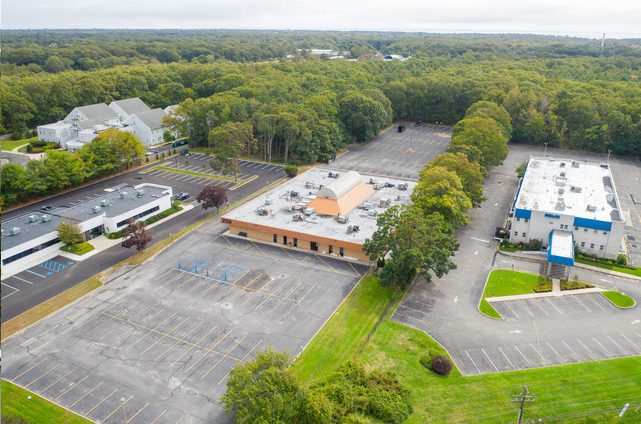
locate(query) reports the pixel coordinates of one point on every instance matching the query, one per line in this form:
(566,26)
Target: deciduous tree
(69,232)
(468,172)
(227,143)
(212,197)
(136,234)
(486,135)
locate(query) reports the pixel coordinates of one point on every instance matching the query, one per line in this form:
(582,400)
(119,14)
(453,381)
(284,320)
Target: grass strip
(194,173)
(37,410)
(619,299)
(591,392)
(9,145)
(86,248)
(345,333)
(636,272)
(502,282)
(48,307)
(487,309)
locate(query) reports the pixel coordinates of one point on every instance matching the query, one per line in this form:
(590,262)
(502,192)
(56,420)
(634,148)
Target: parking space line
(165,335)
(152,330)
(97,315)
(70,388)
(45,389)
(124,310)
(631,342)
(571,350)
(98,404)
(301,299)
(524,357)
(553,305)
(491,362)
(122,405)
(7,295)
(293,290)
(511,310)
(586,348)
(22,279)
(124,322)
(543,361)
(39,275)
(24,372)
(596,303)
(134,416)
(554,350)
(524,307)
(241,360)
(85,395)
(357,273)
(583,304)
(193,345)
(606,351)
(57,365)
(617,345)
(508,359)
(247,285)
(210,287)
(161,414)
(224,356)
(269,295)
(537,304)
(187,280)
(208,351)
(474,363)
(257,291)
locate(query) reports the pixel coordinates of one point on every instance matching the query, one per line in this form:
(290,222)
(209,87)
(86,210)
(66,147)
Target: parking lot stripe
(225,356)
(160,339)
(152,330)
(45,389)
(178,341)
(124,310)
(606,351)
(357,273)
(526,360)
(617,345)
(193,345)
(117,408)
(511,310)
(69,389)
(39,275)
(586,348)
(583,304)
(210,287)
(161,414)
(473,363)
(134,416)
(86,394)
(558,310)
(22,279)
(24,372)
(208,351)
(288,294)
(244,287)
(296,304)
(269,295)
(555,352)
(42,376)
(631,342)
(187,280)
(257,291)
(571,350)
(486,355)
(508,359)
(7,285)
(537,304)
(99,403)
(524,307)
(241,360)
(595,302)
(97,315)
(111,331)
(543,361)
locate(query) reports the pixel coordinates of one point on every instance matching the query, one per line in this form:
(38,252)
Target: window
(285,240)
(523,235)
(527,220)
(582,244)
(516,233)
(242,234)
(341,251)
(518,219)
(585,230)
(605,233)
(576,228)
(313,246)
(561,226)
(140,215)
(601,247)
(295,242)
(275,238)
(331,249)
(591,245)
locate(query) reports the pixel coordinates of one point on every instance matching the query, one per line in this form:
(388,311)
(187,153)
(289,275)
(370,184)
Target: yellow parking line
(160,339)
(223,357)
(243,358)
(178,341)
(210,287)
(177,276)
(56,381)
(67,391)
(257,291)
(193,345)
(124,323)
(99,403)
(301,299)
(117,408)
(357,273)
(181,418)
(86,394)
(187,280)
(149,332)
(244,287)
(131,419)
(284,299)
(124,310)
(23,373)
(170,269)
(42,376)
(151,317)
(161,414)
(97,315)
(269,295)
(207,351)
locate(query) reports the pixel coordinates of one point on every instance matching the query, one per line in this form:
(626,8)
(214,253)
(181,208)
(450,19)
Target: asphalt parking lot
(163,336)
(35,277)
(397,154)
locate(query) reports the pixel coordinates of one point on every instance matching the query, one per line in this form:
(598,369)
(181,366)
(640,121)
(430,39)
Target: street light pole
(609,156)
(545,150)
(122,405)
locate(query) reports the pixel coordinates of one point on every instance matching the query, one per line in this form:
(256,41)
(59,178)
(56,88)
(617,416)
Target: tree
(485,109)
(263,390)
(70,232)
(440,190)
(16,183)
(136,234)
(227,143)
(167,136)
(363,116)
(468,172)
(486,135)
(212,196)
(411,244)
(120,147)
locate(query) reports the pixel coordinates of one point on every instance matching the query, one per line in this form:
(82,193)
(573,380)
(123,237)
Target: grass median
(619,299)
(635,272)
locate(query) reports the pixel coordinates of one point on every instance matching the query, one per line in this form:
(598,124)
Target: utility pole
(523,397)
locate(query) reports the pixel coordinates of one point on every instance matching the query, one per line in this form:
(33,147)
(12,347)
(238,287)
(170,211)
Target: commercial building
(33,235)
(84,123)
(565,203)
(322,210)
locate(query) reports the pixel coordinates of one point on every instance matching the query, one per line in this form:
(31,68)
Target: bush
(323,157)
(291,170)
(380,263)
(293,162)
(29,148)
(147,159)
(441,365)
(428,357)
(17,135)
(545,285)
(622,260)
(574,284)
(278,160)
(38,143)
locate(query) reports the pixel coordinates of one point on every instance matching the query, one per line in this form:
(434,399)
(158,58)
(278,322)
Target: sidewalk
(553,293)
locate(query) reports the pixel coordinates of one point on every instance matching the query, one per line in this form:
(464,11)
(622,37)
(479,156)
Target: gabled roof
(152,118)
(131,106)
(99,111)
(344,204)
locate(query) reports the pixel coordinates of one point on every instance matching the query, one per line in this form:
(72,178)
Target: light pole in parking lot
(122,405)
(546,149)
(609,156)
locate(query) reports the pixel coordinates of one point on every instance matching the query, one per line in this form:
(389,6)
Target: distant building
(34,235)
(566,203)
(84,123)
(322,210)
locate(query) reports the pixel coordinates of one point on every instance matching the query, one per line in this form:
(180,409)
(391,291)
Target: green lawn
(636,272)
(619,299)
(194,173)
(488,309)
(346,331)
(9,144)
(36,410)
(507,283)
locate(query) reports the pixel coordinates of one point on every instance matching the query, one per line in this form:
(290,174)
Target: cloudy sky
(580,18)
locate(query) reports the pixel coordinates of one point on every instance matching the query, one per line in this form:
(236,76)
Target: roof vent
(123,194)
(308,211)
(104,202)
(293,194)
(562,164)
(561,191)
(14,231)
(575,189)
(140,193)
(297,217)
(575,164)
(342,219)
(334,175)
(95,209)
(591,208)
(309,184)
(268,201)
(45,218)
(372,212)
(402,186)
(33,218)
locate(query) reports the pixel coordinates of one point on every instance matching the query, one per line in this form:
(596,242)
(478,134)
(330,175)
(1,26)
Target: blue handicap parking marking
(52,265)
(69,263)
(49,273)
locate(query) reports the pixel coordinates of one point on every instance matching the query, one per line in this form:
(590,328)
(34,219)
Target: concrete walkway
(545,294)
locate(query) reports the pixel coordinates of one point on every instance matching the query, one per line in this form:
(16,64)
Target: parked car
(401,128)
(181,196)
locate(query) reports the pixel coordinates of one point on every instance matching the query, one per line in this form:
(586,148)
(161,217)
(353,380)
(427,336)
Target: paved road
(534,333)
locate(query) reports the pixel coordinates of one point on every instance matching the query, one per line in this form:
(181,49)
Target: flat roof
(562,244)
(283,207)
(79,212)
(565,186)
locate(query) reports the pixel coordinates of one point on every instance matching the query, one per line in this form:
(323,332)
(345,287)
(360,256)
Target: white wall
(164,203)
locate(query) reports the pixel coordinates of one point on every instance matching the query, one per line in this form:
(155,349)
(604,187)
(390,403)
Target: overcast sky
(579,18)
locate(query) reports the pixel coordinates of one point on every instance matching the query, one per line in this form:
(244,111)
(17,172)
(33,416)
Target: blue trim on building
(593,223)
(523,213)
(559,259)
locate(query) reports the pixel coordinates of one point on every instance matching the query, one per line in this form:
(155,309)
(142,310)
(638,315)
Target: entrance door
(314,246)
(285,240)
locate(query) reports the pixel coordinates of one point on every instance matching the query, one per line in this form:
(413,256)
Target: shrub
(574,284)
(323,157)
(17,135)
(293,162)
(38,143)
(291,170)
(441,365)
(545,285)
(29,148)
(278,160)
(622,260)
(428,357)
(147,159)
(380,263)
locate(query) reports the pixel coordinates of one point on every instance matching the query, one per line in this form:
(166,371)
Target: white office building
(565,203)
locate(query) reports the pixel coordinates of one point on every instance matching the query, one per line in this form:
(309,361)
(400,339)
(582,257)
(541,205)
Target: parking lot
(394,153)
(161,338)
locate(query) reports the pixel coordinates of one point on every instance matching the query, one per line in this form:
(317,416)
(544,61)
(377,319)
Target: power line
(524,397)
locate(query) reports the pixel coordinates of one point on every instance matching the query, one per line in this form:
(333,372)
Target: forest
(563,92)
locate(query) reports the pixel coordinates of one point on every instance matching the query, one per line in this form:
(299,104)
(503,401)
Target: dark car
(181,196)
(401,128)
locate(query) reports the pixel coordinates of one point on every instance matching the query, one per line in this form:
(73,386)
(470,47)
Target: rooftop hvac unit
(372,212)
(575,189)
(342,219)
(268,201)
(334,175)
(104,202)
(309,184)
(350,229)
(591,208)
(123,194)
(95,209)
(575,164)
(562,164)
(14,231)
(33,218)
(402,186)
(297,217)
(140,193)
(309,211)
(385,203)
(262,211)
(293,193)
(45,218)
(355,228)
(368,205)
